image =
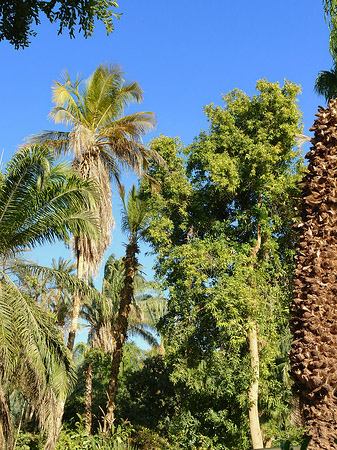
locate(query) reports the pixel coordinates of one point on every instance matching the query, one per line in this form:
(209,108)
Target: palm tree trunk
(88,397)
(314,349)
(120,329)
(76,303)
(6,426)
(253,393)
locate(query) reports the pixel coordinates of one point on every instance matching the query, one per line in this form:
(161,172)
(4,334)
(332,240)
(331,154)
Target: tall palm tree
(134,220)
(101,314)
(103,142)
(326,83)
(39,203)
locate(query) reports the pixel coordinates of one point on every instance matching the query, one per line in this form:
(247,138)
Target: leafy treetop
(17,17)
(330,12)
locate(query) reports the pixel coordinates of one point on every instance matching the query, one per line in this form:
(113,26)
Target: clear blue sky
(185,54)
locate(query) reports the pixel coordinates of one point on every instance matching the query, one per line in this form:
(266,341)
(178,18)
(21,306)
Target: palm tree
(134,220)
(101,314)
(103,142)
(326,83)
(39,203)
(313,355)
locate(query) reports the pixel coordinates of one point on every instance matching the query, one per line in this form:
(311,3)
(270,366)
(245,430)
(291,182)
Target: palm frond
(326,83)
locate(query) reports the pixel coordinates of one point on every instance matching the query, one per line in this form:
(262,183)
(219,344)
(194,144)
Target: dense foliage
(219,216)
(235,193)
(17,17)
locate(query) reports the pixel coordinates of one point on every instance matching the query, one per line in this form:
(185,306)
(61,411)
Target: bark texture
(254,420)
(76,303)
(314,321)
(6,426)
(88,398)
(253,393)
(119,331)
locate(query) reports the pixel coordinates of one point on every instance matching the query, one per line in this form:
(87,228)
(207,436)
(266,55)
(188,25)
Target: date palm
(103,141)
(134,220)
(101,313)
(39,203)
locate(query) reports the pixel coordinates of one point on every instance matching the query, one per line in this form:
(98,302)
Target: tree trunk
(6,426)
(268,443)
(161,348)
(120,328)
(88,398)
(253,393)
(76,304)
(52,439)
(314,322)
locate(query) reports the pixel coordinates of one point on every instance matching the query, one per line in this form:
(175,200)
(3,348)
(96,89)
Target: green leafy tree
(227,247)
(330,12)
(103,141)
(39,202)
(17,17)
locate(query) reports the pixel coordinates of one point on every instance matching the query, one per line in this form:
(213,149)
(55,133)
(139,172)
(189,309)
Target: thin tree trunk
(120,329)
(161,348)
(253,394)
(76,305)
(50,444)
(88,398)
(6,426)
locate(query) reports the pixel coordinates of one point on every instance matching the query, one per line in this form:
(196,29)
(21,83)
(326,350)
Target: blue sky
(185,55)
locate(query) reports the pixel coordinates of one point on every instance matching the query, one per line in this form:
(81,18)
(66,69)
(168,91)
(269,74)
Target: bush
(147,439)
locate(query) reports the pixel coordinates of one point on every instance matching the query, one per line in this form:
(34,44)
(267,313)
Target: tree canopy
(17,17)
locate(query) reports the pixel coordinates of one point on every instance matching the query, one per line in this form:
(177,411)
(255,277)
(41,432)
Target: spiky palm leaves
(102,139)
(39,202)
(326,83)
(314,350)
(103,142)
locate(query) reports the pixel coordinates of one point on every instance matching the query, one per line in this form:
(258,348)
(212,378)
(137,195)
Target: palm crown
(102,139)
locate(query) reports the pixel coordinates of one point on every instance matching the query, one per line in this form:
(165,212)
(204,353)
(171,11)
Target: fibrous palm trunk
(6,427)
(88,397)
(314,323)
(81,272)
(120,329)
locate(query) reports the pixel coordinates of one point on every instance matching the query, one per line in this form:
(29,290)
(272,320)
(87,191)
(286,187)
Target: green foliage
(326,83)
(235,187)
(78,439)
(132,361)
(16,17)
(287,445)
(147,439)
(330,12)
(39,202)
